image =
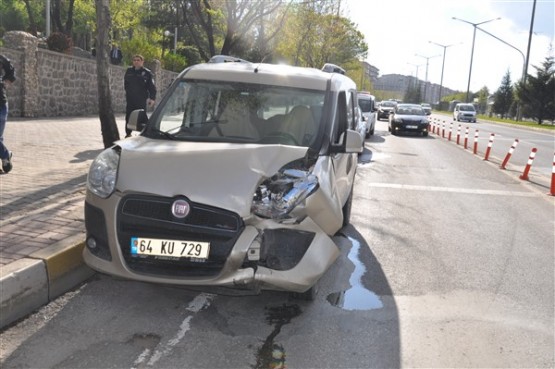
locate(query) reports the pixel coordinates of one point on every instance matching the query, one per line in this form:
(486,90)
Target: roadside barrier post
(458,134)
(524,175)
(450,130)
(443,130)
(490,144)
(475,142)
(552,191)
(508,156)
(466,138)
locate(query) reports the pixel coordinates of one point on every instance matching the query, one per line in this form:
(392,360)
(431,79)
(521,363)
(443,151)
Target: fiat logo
(180,208)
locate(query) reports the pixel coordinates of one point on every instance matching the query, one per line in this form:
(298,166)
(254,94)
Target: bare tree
(108,125)
(203,19)
(57,16)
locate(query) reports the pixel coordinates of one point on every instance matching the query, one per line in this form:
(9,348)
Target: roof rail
(332,68)
(226,59)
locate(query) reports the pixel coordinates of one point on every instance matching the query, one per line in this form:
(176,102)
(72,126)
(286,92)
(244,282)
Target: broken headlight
(277,196)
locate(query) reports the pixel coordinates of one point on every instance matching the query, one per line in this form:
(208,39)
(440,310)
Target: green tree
(483,95)
(503,97)
(537,94)
(316,34)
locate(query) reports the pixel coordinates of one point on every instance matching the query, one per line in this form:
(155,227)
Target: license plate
(171,248)
(412,127)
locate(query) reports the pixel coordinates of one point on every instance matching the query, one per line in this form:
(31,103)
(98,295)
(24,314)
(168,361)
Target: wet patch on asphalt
(272,354)
(357,297)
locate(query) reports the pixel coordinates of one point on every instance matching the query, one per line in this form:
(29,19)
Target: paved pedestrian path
(41,201)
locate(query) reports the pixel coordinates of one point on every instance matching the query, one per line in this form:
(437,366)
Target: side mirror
(353,141)
(137,120)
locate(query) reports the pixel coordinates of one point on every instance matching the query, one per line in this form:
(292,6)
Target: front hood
(224,175)
(411,118)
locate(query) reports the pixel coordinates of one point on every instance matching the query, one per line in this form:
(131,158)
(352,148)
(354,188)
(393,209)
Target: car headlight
(103,173)
(398,120)
(277,196)
(425,121)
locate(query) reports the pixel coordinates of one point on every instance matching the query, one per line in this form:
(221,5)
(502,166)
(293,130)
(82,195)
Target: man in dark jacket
(116,56)
(140,89)
(7,76)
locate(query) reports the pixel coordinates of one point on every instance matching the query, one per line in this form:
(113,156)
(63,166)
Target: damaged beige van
(238,179)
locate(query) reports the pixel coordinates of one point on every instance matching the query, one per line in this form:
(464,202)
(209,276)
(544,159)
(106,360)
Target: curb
(29,283)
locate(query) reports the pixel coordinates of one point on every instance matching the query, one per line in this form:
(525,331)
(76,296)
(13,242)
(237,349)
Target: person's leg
(128,111)
(4,153)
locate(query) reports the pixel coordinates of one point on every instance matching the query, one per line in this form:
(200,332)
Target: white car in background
(464,112)
(367,104)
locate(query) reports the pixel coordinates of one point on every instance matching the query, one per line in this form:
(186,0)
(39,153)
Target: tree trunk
(108,125)
(32,24)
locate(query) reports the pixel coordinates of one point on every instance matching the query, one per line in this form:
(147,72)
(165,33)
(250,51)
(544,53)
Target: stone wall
(56,84)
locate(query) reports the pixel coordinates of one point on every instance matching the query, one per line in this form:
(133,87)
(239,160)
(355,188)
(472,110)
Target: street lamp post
(426,78)
(472,52)
(168,34)
(442,67)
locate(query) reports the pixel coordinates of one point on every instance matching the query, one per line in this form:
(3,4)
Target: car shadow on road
(371,284)
(85,155)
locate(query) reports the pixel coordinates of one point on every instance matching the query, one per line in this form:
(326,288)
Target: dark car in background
(385,108)
(408,118)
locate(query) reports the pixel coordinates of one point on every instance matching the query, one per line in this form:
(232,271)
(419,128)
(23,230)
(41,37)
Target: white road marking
(200,302)
(450,189)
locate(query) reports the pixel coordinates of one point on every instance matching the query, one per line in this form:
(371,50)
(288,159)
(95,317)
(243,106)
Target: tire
(347,209)
(425,134)
(308,295)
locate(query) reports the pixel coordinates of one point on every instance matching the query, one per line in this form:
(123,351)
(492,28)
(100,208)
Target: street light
(472,52)
(442,66)
(426,80)
(168,34)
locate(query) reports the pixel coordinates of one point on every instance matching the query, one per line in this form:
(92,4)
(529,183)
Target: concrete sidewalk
(42,230)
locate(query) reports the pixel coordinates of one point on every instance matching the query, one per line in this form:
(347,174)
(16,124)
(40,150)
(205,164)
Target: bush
(139,45)
(174,62)
(60,42)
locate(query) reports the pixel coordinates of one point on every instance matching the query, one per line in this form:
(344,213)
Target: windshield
(388,104)
(238,112)
(409,110)
(365,105)
(466,107)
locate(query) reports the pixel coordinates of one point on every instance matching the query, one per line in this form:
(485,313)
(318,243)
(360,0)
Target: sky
(398,34)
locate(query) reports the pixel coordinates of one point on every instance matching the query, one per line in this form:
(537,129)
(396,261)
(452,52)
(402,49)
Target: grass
(547,125)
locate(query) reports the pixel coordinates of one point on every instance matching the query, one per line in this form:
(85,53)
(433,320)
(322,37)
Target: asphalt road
(504,137)
(448,262)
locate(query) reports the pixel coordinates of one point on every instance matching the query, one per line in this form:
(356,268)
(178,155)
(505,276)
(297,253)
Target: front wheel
(308,295)
(347,209)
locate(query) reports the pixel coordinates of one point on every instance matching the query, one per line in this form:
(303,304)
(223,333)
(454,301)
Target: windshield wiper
(213,121)
(170,136)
